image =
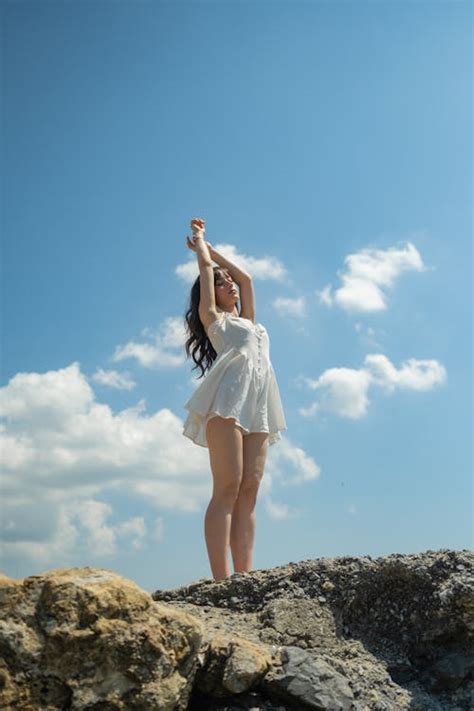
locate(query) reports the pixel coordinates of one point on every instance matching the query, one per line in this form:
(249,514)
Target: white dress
(240,383)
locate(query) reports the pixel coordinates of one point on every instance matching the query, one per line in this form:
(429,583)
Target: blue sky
(328,146)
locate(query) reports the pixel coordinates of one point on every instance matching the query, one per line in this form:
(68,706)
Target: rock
(352,633)
(231,666)
(398,629)
(306,621)
(87,637)
(449,671)
(312,683)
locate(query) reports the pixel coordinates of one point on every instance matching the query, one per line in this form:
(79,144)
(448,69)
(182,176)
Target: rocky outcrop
(354,633)
(395,632)
(87,638)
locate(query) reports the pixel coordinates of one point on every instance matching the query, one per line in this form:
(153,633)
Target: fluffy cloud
(166,349)
(258,267)
(368,274)
(344,391)
(64,454)
(292,307)
(279,511)
(113,379)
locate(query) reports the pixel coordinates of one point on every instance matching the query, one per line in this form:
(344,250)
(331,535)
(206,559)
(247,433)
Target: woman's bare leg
(224,439)
(242,534)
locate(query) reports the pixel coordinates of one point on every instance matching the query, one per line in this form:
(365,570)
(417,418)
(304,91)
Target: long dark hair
(197,341)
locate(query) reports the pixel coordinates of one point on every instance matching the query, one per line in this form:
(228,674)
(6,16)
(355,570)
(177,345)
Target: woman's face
(225,290)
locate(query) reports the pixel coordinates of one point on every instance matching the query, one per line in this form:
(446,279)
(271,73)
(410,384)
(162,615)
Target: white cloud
(367,274)
(369,335)
(171,334)
(309,411)
(344,391)
(414,374)
(259,267)
(134,529)
(64,453)
(100,537)
(293,465)
(293,307)
(165,351)
(279,511)
(52,527)
(29,541)
(113,379)
(325,296)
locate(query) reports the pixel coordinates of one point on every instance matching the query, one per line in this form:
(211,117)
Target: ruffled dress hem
(196,424)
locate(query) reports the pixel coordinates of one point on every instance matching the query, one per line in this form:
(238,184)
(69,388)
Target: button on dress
(240,383)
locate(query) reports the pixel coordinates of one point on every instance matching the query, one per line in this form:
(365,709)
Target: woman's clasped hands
(199,229)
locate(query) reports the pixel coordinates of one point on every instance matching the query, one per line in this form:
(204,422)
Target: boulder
(84,638)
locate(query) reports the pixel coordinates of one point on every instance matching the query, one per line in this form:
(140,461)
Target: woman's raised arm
(207,254)
(198,243)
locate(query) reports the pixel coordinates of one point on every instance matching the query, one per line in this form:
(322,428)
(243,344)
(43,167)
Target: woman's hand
(198,228)
(191,242)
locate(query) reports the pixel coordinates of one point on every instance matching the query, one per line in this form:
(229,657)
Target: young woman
(236,411)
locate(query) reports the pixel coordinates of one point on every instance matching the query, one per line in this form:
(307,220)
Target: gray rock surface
(339,634)
(394,632)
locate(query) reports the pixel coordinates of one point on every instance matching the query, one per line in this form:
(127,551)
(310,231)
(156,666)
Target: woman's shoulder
(213,317)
